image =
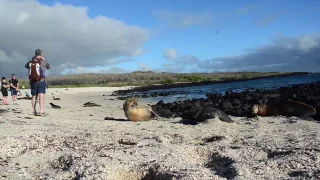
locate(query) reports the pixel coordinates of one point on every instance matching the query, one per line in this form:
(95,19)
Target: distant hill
(138,78)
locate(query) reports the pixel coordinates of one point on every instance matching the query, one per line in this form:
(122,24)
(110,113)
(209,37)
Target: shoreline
(188,84)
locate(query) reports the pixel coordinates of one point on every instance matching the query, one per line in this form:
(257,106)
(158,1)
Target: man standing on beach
(14,88)
(37,67)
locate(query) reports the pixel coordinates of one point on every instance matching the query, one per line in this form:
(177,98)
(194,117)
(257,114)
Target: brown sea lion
(135,113)
(287,108)
(90,104)
(54,98)
(55,106)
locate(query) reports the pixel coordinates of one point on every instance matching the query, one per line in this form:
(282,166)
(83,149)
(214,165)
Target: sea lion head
(131,102)
(255,109)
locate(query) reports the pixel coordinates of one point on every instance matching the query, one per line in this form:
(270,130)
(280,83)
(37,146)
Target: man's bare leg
(41,102)
(33,103)
(14,98)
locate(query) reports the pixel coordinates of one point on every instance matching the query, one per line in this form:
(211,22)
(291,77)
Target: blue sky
(208,35)
(234,30)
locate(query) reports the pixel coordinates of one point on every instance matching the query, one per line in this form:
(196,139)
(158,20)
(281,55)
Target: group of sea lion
(284,108)
(54,106)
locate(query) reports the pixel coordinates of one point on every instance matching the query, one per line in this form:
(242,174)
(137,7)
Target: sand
(75,142)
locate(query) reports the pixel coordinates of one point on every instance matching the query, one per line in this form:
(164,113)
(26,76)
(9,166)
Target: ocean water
(196,92)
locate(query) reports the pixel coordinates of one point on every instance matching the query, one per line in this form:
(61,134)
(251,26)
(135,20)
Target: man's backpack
(35,70)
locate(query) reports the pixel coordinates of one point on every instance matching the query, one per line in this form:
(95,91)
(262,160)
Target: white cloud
(308,43)
(168,65)
(170,54)
(283,54)
(80,70)
(268,19)
(144,67)
(3,56)
(179,19)
(66,34)
(174,69)
(188,60)
(68,65)
(180,64)
(115,70)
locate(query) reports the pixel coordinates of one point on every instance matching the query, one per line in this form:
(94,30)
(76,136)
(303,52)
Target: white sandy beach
(75,142)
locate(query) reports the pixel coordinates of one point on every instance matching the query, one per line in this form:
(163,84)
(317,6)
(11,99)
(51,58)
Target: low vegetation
(140,78)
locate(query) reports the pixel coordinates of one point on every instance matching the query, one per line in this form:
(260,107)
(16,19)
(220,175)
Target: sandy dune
(76,142)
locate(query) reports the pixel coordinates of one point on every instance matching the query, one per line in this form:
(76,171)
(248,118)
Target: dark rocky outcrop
(152,94)
(240,103)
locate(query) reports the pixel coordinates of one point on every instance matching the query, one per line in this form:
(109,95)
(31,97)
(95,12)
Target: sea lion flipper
(306,113)
(155,114)
(307,118)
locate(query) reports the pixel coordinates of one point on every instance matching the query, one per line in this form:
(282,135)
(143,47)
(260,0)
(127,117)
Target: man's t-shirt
(3,88)
(14,82)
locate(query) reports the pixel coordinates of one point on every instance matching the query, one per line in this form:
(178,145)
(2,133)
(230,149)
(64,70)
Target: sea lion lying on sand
(90,104)
(287,108)
(206,114)
(135,113)
(209,112)
(55,106)
(54,98)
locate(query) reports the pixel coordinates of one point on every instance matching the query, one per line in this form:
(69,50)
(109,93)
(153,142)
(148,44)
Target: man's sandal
(41,114)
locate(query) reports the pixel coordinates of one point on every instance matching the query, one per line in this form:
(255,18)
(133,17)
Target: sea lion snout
(255,109)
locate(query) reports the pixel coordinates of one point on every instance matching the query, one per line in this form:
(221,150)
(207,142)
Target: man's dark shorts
(37,87)
(13,92)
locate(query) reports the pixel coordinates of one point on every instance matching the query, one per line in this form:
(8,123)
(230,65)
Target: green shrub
(167,82)
(193,78)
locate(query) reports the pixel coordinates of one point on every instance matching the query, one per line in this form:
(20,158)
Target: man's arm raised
(27,65)
(48,65)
